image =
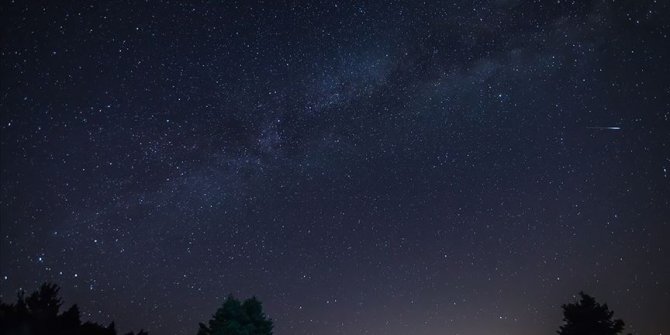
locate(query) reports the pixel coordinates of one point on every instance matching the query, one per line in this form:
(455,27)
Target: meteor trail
(604,128)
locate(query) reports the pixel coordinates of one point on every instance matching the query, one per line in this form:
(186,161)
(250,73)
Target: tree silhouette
(587,317)
(38,315)
(236,318)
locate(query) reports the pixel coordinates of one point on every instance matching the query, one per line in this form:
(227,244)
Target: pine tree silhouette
(587,317)
(236,318)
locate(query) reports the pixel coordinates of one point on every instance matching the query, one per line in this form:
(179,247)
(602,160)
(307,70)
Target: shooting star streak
(604,128)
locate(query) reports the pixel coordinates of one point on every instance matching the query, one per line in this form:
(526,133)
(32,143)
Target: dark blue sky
(378,168)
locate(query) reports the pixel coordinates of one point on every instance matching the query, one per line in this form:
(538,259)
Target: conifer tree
(587,317)
(236,318)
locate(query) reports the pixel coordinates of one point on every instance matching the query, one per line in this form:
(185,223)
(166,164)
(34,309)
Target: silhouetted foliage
(38,314)
(236,318)
(587,317)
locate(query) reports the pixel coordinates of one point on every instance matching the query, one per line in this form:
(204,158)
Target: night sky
(457,167)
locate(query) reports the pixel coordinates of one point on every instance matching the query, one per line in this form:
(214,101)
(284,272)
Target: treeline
(39,314)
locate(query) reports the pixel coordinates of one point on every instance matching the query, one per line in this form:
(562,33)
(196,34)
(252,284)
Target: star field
(362,168)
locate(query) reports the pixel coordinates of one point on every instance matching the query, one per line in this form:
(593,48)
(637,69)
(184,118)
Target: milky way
(373,168)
